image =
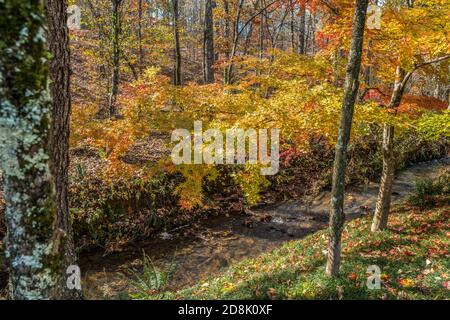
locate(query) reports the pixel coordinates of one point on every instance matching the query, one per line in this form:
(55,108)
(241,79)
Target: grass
(412,254)
(152,280)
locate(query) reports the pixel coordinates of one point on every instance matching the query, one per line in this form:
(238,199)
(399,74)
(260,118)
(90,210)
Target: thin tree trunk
(292,25)
(115,56)
(248,40)
(236,33)
(313,34)
(448,98)
(58,42)
(277,31)
(209,42)
(104,72)
(177,49)
(337,216)
(261,30)
(307,33)
(141,51)
(227,32)
(34,243)
(368,72)
(301,35)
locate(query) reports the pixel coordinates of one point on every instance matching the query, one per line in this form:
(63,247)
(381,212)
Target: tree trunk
(261,31)
(337,216)
(292,25)
(277,32)
(313,33)
(177,50)
(34,243)
(116,29)
(227,33)
(387,178)
(248,39)
(383,205)
(301,35)
(141,51)
(209,42)
(448,99)
(368,72)
(228,76)
(58,42)
(307,33)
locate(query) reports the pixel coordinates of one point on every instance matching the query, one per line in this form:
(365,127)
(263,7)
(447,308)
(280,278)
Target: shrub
(428,189)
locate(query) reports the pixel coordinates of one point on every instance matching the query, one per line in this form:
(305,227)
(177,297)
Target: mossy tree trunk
(58,43)
(33,242)
(337,216)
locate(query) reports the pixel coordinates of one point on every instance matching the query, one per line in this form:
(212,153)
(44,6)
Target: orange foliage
(411,104)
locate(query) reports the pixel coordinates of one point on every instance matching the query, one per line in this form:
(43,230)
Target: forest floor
(204,249)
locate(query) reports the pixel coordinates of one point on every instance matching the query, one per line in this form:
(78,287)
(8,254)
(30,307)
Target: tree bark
(301,35)
(368,72)
(261,30)
(209,42)
(448,98)
(387,178)
(277,31)
(34,243)
(312,29)
(248,39)
(383,204)
(227,32)
(58,43)
(116,30)
(337,216)
(141,51)
(177,49)
(228,76)
(292,25)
